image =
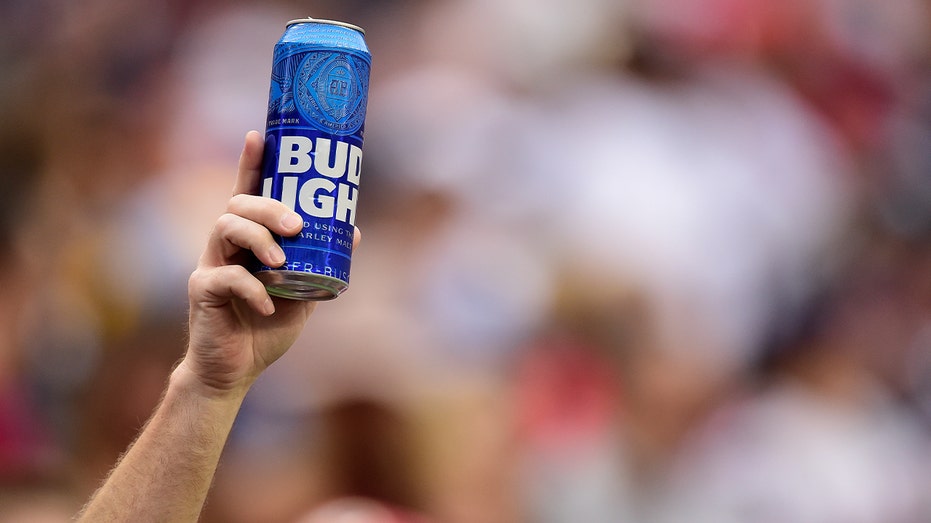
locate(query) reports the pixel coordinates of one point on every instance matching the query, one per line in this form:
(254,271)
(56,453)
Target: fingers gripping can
(313,152)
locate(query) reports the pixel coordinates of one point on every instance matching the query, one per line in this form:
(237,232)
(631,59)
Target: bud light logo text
(318,177)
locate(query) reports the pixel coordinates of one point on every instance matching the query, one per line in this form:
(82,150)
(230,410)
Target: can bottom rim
(305,286)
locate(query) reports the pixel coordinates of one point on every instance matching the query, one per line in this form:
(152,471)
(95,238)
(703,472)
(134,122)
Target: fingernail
(276,255)
(269,307)
(291,220)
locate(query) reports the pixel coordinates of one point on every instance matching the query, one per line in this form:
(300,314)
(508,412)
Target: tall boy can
(313,152)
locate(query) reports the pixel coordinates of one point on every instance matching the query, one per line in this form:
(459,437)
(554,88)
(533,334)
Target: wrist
(185,379)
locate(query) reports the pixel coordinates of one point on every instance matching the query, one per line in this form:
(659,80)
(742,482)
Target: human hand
(236,329)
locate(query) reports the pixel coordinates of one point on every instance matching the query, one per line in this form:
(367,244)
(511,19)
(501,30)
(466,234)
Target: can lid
(310,20)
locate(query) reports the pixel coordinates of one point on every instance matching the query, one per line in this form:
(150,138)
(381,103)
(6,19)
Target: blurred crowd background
(646,261)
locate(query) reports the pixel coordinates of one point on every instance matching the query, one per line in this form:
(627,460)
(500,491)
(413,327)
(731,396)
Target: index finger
(250,164)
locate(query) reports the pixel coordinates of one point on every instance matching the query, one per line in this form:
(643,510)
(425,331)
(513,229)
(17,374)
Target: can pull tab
(310,20)
(300,21)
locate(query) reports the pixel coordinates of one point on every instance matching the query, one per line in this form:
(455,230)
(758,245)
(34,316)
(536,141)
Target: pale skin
(236,331)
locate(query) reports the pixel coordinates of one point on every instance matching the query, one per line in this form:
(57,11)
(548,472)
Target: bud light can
(313,152)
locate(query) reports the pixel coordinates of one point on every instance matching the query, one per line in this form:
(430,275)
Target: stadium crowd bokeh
(649,261)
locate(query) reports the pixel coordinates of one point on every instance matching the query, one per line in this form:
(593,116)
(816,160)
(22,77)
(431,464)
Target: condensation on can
(316,104)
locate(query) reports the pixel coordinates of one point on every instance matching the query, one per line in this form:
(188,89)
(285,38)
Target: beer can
(313,152)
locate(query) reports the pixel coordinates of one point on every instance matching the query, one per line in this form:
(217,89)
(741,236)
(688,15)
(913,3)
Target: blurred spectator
(641,260)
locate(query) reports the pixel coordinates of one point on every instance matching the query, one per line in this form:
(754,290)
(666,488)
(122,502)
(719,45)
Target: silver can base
(305,286)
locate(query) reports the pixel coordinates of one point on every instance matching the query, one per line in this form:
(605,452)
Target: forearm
(166,473)
(236,331)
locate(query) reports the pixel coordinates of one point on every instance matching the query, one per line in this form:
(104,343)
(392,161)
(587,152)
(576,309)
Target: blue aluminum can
(313,152)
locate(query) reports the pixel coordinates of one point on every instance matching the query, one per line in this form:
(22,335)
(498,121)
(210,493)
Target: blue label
(316,175)
(313,142)
(326,90)
(330,90)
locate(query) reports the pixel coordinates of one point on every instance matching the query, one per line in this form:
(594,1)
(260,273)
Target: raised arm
(236,332)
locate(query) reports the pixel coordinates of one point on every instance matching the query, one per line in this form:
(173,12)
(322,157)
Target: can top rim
(310,20)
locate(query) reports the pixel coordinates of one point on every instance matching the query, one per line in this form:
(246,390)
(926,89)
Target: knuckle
(240,281)
(226,223)
(227,274)
(256,208)
(239,203)
(196,282)
(224,282)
